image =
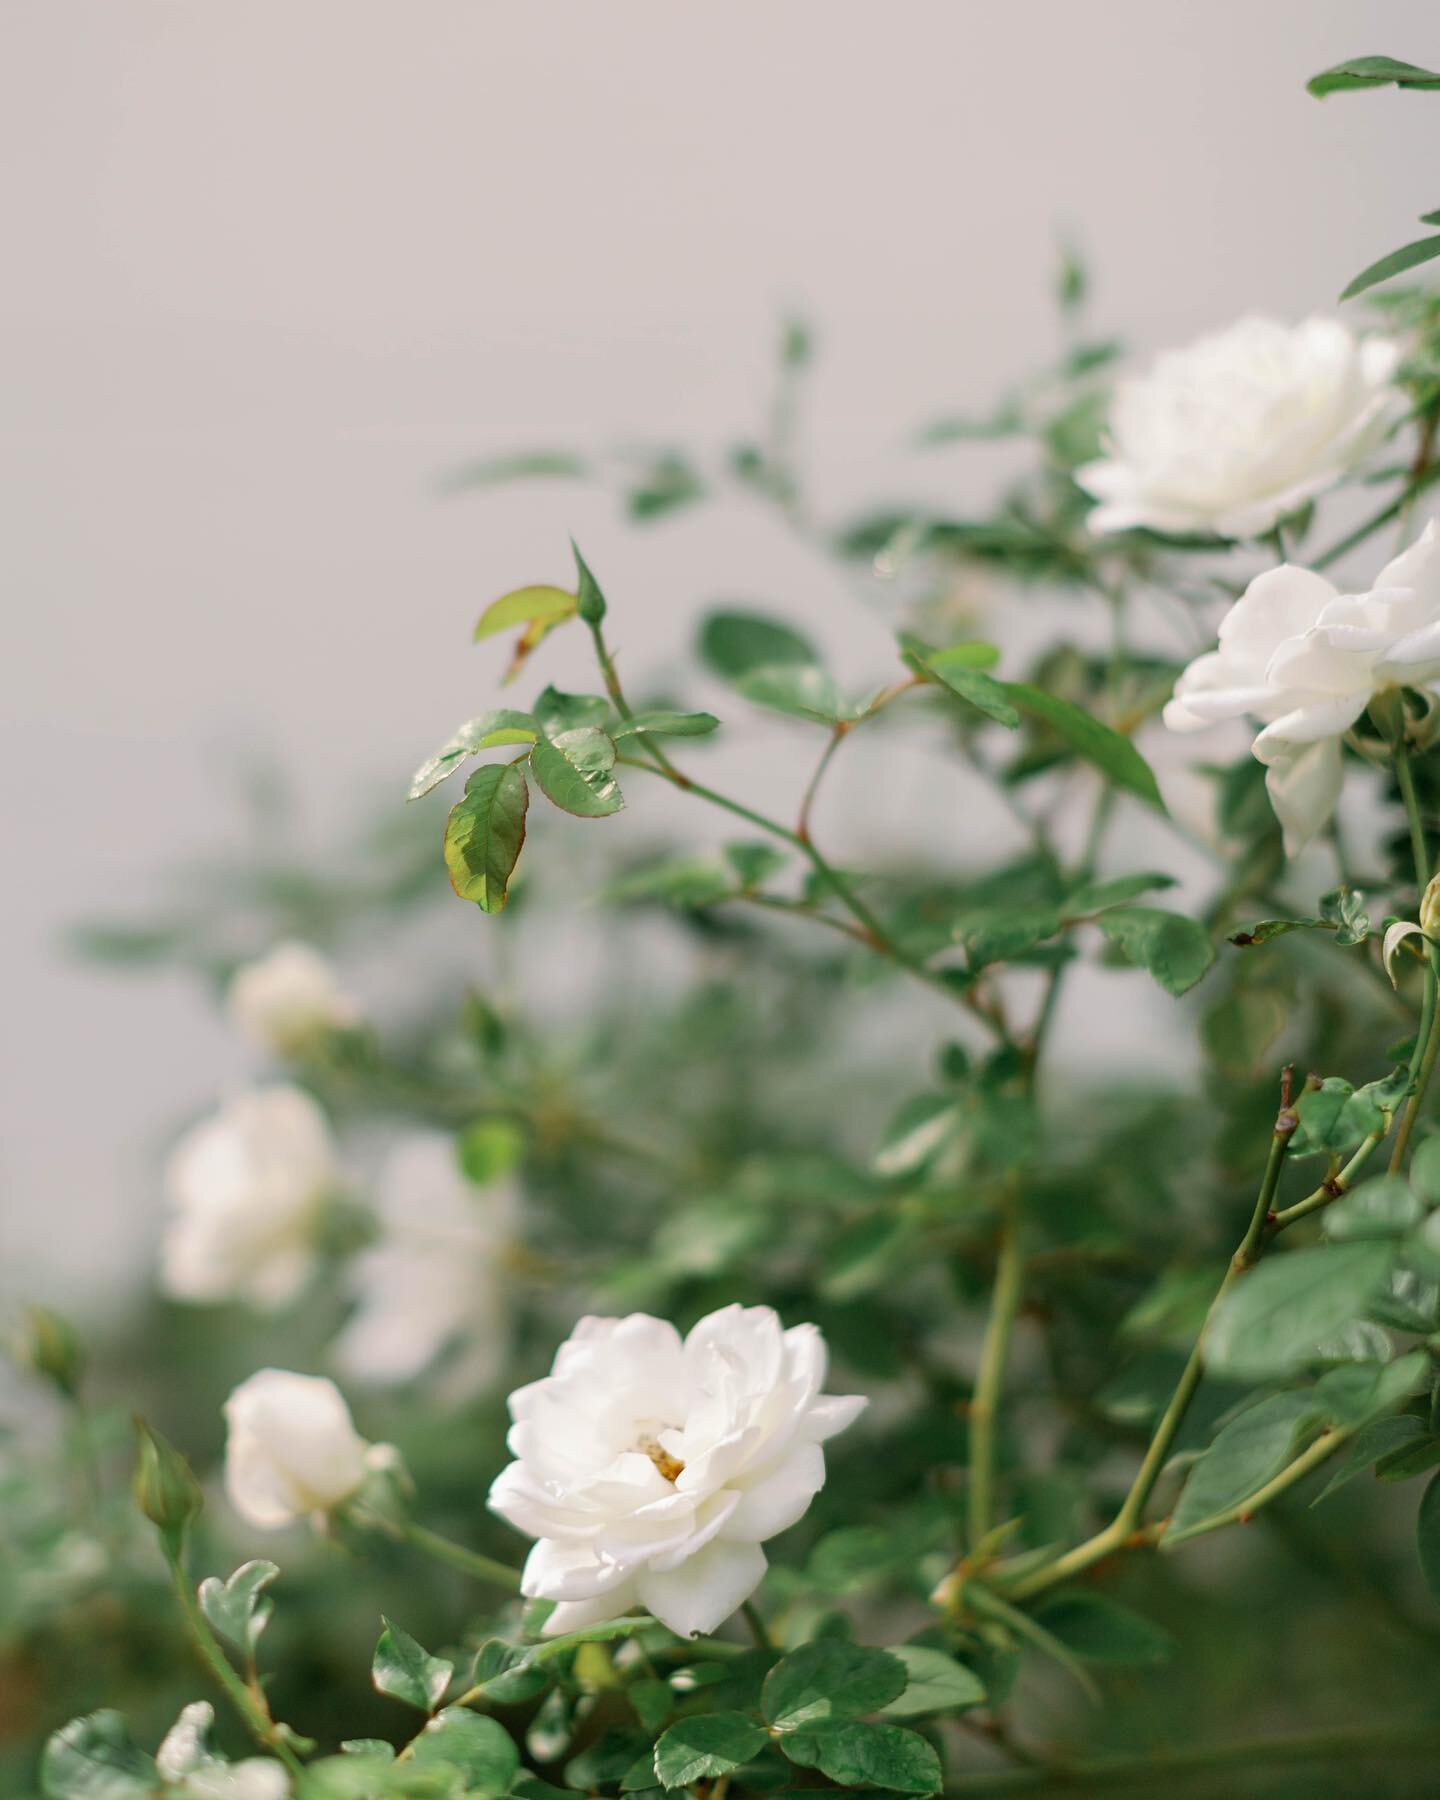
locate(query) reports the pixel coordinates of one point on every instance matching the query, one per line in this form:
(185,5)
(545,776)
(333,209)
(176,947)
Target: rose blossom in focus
(1307,660)
(436,1277)
(246,1188)
(1241,428)
(288,998)
(651,1468)
(291,1450)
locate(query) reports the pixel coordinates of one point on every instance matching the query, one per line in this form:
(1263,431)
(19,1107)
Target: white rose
(436,1278)
(651,1468)
(288,998)
(1241,428)
(291,1450)
(185,1760)
(246,1188)
(1307,660)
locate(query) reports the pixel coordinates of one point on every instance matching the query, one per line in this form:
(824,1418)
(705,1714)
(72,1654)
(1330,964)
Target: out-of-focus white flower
(1307,661)
(651,1468)
(288,998)
(1242,427)
(437,1274)
(186,1761)
(291,1449)
(246,1188)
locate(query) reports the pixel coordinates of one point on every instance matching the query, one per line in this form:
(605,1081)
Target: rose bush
(1101,1304)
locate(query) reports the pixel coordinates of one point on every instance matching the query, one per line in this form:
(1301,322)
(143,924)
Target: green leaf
(1002,933)
(1098,1629)
(488,732)
(1095,896)
(505,1675)
(489,1148)
(407,1672)
(1175,950)
(1274,1318)
(1344,909)
(574,771)
(667,724)
(917,1134)
(541,606)
(830,1680)
(1373,1442)
(1408,256)
(1425,1171)
(478,1746)
(854,1755)
(1382,1208)
(708,1745)
(1335,1116)
(1356,1392)
(237,1608)
(799,690)
(1427,1536)
(734,643)
(1251,1450)
(956,669)
(484,835)
(1265,929)
(1369,72)
(523,465)
(94,1758)
(1115,756)
(936,1684)
(556,712)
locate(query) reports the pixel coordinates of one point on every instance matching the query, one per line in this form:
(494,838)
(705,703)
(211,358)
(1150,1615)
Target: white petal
(1395,935)
(781,1498)
(556,1571)
(833,1413)
(1319,716)
(577,1615)
(1304,790)
(703,1592)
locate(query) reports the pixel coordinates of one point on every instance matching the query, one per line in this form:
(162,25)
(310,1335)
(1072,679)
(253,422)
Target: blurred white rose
(288,998)
(1241,428)
(291,1450)
(1307,660)
(186,1761)
(437,1275)
(246,1189)
(652,1468)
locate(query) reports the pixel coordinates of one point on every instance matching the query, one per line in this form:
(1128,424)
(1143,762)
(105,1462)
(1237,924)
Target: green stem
(1427,1041)
(1405,776)
(873,933)
(984,1402)
(1149,1768)
(757,1625)
(250,1707)
(456,1556)
(1331,1190)
(1127,1521)
(1320,1451)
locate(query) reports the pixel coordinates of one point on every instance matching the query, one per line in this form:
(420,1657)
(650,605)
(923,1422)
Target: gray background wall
(270,266)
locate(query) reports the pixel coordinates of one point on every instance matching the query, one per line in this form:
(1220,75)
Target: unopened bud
(164,1488)
(589,601)
(1430,908)
(52,1349)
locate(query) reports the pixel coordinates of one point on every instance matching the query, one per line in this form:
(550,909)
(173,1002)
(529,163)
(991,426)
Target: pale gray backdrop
(270,265)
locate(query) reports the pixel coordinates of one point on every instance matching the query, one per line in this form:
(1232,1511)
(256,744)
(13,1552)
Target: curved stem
(456,1556)
(1330,1190)
(250,1707)
(1320,1451)
(802,824)
(1004,1306)
(1123,1528)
